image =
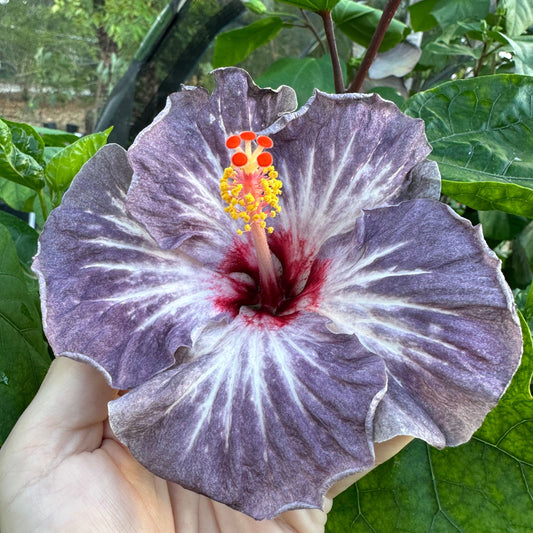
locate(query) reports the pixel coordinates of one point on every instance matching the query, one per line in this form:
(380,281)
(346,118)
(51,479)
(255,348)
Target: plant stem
(42,202)
(309,25)
(375,43)
(332,45)
(481,59)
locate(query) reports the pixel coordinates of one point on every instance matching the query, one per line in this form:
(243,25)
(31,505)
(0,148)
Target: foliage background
(462,66)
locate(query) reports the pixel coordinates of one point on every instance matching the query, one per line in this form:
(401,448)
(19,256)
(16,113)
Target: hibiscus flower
(278,290)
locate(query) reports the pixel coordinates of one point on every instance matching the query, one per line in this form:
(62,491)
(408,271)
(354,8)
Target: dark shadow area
(165,59)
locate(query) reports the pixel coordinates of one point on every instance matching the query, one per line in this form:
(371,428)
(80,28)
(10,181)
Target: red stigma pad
(239,159)
(247,135)
(264,159)
(264,141)
(233,141)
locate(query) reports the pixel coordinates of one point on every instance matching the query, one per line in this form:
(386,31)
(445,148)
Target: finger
(384,451)
(68,412)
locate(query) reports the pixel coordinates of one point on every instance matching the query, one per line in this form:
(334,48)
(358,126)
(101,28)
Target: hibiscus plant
(281,274)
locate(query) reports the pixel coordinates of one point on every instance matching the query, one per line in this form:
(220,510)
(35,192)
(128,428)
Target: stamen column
(251,188)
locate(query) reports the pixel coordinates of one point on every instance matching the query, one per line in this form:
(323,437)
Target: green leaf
(478,31)
(51,151)
(525,238)
(24,355)
(481,133)
(509,427)
(255,6)
(518,16)
(449,12)
(359,23)
(17,196)
(483,485)
(516,265)
(24,237)
(313,5)
(303,75)
(52,137)
(522,48)
(233,46)
(452,49)
(64,165)
(527,309)
(389,93)
(26,139)
(21,154)
(498,226)
(421,17)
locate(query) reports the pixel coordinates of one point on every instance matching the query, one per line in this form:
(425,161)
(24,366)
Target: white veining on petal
(339,155)
(114,245)
(414,284)
(365,278)
(125,224)
(259,397)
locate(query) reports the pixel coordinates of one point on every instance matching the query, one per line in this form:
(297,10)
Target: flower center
(251,188)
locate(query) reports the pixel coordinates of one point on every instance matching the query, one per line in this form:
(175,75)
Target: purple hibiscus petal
(419,287)
(266,415)
(423,182)
(340,154)
(110,295)
(180,158)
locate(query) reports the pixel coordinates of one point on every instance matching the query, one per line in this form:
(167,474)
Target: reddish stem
(333,52)
(375,43)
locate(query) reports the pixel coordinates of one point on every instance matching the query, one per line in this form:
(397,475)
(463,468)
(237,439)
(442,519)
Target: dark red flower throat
(299,281)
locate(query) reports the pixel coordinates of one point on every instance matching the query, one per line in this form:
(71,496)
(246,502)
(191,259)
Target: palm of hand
(61,470)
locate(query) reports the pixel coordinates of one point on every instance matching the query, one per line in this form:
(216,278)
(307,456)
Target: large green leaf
(17,196)
(359,23)
(23,350)
(303,75)
(518,16)
(233,46)
(482,486)
(481,133)
(313,5)
(21,150)
(64,165)
(24,237)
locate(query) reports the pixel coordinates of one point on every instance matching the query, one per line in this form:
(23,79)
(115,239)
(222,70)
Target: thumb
(67,415)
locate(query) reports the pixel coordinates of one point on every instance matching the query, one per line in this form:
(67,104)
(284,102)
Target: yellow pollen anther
(251,186)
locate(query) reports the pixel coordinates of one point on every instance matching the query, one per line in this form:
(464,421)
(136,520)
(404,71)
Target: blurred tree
(118,26)
(40,47)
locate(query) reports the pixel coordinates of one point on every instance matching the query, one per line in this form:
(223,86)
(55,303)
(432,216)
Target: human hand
(63,471)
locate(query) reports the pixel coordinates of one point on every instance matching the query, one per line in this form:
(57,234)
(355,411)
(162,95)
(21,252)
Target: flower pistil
(251,188)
